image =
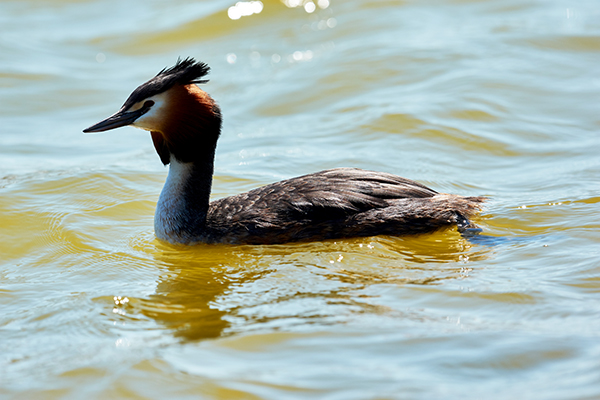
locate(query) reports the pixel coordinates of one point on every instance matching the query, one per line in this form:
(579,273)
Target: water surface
(494,98)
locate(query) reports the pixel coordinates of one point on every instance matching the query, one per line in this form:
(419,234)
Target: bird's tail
(470,206)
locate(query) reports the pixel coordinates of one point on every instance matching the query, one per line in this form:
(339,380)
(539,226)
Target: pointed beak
(118,119)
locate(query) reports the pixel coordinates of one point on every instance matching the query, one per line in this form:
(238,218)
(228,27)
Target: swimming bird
(185,123)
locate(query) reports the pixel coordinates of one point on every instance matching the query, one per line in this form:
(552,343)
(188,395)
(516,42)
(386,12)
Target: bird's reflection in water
(209,291)
(188,292)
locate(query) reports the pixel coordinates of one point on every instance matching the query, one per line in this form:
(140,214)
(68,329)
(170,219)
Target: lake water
(497,98)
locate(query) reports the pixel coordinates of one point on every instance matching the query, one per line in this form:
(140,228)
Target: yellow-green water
(497,98)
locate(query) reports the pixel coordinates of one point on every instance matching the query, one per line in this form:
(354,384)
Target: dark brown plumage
(336,203)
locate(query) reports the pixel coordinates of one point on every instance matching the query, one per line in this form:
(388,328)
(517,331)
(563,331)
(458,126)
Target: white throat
(172,208)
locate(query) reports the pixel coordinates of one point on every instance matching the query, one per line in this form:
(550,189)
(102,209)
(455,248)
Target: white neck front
(172,210)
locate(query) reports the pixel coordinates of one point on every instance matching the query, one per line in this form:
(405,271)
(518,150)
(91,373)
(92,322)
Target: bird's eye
(148,104)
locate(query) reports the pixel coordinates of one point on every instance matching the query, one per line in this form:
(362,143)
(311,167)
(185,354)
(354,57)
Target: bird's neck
(187,141)
(183,203)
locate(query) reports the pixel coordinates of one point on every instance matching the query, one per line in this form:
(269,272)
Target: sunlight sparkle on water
(244,9)
(301,55)
(309,5)
(231,58)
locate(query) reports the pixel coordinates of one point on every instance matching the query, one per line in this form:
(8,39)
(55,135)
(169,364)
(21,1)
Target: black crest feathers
(184,72)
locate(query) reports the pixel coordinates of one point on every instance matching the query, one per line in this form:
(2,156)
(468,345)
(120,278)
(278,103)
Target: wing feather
(329,194)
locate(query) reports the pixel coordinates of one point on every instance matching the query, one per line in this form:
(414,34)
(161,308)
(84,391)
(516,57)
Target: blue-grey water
(496,98)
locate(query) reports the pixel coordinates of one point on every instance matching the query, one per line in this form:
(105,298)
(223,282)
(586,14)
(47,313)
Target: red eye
(148,104)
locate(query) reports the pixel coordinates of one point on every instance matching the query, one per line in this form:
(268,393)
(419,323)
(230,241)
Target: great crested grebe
(185,123)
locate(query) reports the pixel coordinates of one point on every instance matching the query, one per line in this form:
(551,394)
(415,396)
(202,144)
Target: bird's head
(185,122)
